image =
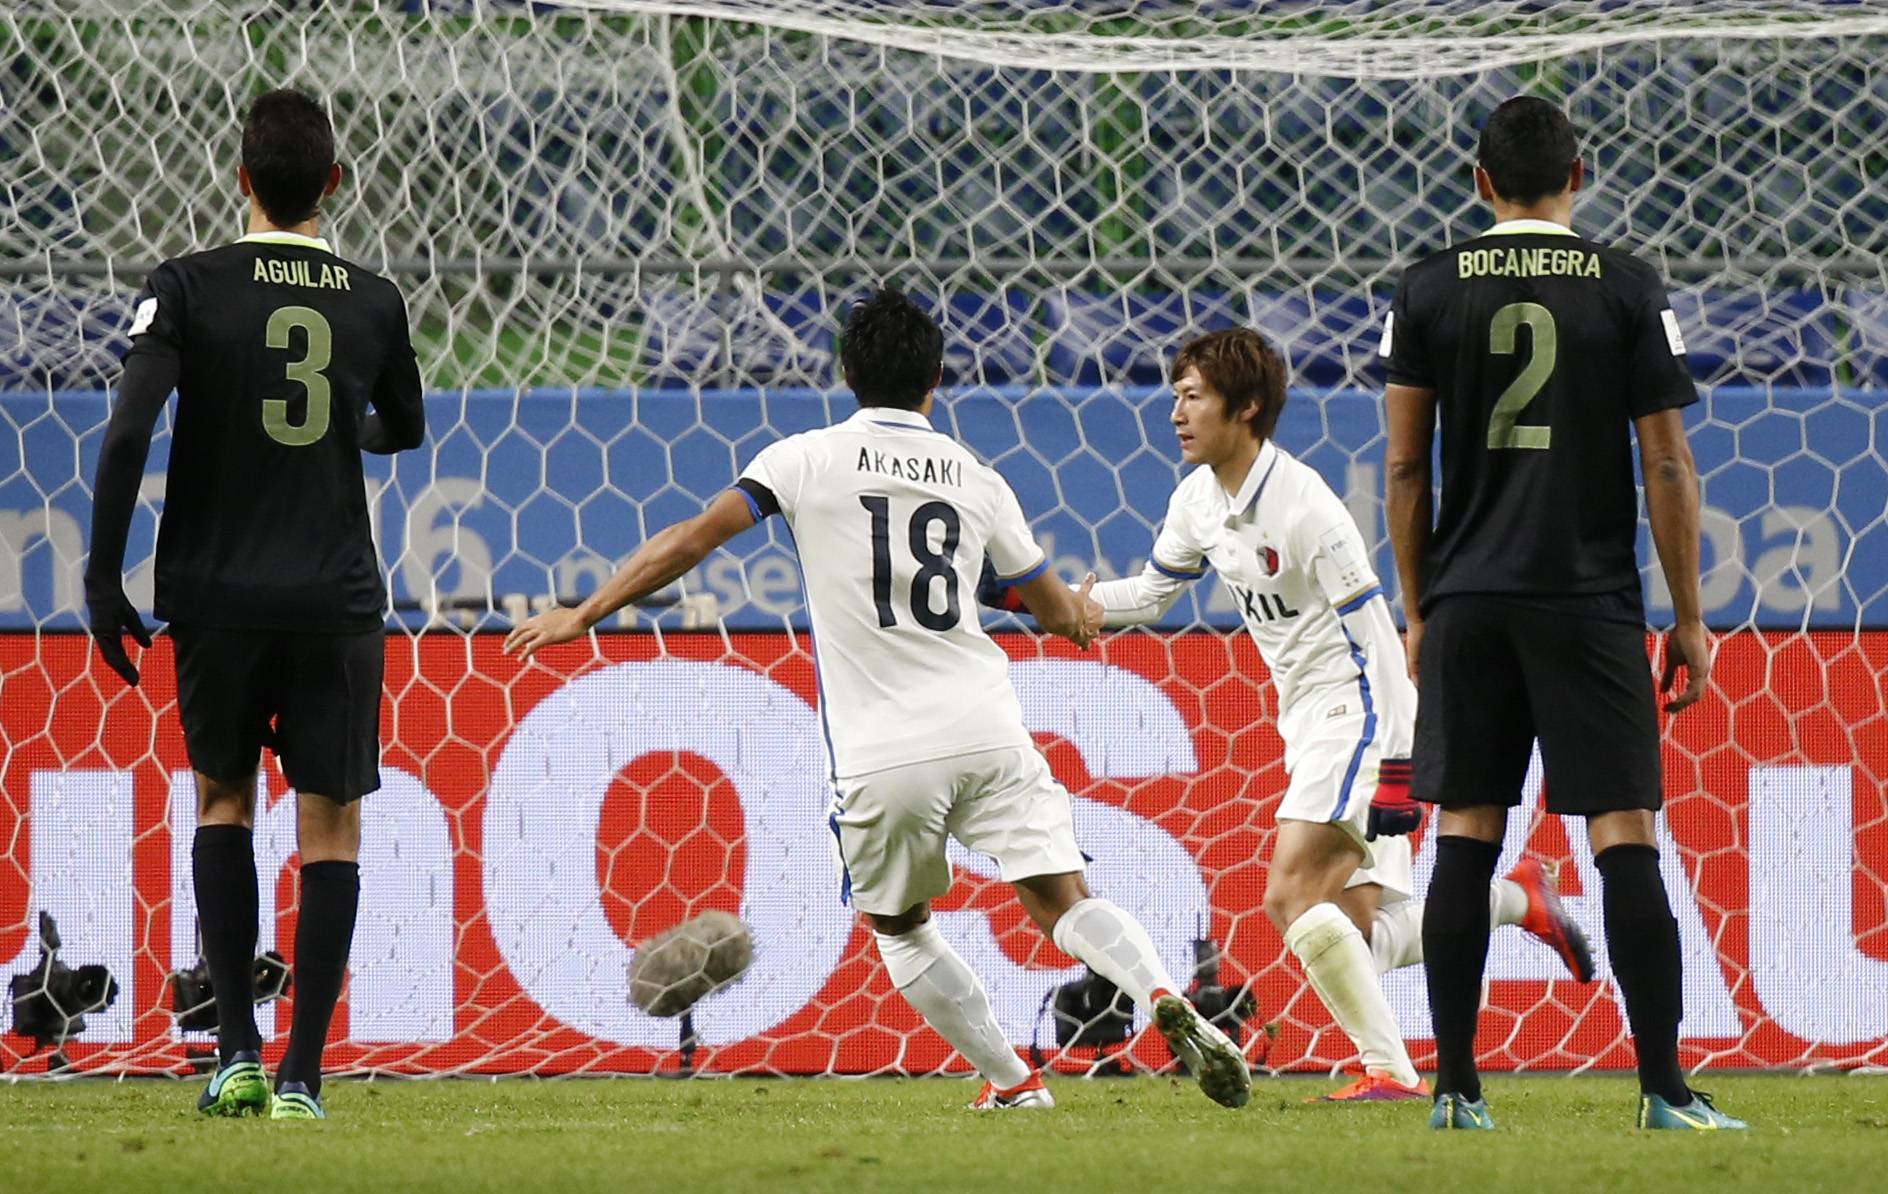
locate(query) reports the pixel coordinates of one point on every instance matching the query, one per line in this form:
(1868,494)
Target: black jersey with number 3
(280,348)
(1541,347)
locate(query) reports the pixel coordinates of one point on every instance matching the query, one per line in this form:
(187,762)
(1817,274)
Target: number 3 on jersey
(933,564)
(1545,344)
(307,372)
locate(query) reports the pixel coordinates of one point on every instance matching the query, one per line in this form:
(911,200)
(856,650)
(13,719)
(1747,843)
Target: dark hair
(1527,148)
(288,149)
(1243,369)
(891,351)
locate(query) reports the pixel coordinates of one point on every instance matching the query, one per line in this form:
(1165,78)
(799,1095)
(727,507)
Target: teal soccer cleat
(1453,1112)
(239,1088)
(1696,1116)
(293,1100)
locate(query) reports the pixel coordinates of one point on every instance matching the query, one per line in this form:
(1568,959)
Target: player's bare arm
(1060,610)
(1671,501)
(1408,493)
(663,559)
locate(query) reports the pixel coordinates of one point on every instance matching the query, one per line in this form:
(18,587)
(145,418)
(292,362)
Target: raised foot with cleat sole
(1209,1053)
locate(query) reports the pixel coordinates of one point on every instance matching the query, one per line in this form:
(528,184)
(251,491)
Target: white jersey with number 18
(892,521)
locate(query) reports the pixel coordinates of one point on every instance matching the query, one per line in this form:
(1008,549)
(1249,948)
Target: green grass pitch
(1139,1135)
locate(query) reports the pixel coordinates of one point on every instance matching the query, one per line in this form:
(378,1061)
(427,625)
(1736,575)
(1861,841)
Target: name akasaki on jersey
(298,271)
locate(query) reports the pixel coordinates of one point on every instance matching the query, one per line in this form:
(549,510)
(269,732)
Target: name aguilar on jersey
(299,271)
(926,470)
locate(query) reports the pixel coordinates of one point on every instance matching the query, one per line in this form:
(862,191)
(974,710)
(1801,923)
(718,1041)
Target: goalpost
(627,233)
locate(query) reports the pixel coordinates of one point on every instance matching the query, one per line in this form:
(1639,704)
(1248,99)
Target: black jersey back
(282,347)
(1541,347)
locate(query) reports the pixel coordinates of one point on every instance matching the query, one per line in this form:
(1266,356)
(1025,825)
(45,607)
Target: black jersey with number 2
(1542,348)
(278,348)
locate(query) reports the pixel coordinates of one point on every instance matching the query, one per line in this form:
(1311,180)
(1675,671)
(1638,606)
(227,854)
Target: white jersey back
(892,521)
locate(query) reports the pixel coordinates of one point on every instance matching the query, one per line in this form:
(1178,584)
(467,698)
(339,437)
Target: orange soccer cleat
(1025,1094)
(1375,1087)
(1547,921)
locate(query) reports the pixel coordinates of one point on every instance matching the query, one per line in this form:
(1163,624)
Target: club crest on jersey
(1268,560)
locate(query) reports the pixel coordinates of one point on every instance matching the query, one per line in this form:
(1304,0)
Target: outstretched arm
(1138,600)
(1407,498)
(1058,609)
(667,555)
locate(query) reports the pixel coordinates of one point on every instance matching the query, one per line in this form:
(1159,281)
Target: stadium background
(627,239)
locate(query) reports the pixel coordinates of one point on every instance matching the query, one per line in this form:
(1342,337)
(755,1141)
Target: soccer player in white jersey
(892,522)
(1290,554)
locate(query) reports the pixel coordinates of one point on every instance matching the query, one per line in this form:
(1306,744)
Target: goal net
(627,232)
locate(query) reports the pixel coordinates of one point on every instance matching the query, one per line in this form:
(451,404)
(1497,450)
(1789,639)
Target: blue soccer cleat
(1696,1116)
(293,1100)
(239,1088)
(1453,1112)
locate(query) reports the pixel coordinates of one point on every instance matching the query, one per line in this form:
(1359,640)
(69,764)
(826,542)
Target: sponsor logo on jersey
(1674,339)
(141,321)
(1261,607)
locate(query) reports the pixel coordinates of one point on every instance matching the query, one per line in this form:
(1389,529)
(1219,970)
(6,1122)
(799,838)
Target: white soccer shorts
(891,826)
(1333,780)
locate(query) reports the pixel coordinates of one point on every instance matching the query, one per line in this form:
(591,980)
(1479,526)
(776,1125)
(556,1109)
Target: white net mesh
(626,233)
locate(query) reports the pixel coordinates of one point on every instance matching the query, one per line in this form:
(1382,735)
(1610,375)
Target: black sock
(223,871)
(331,893)
(1455,952)
(1642,943)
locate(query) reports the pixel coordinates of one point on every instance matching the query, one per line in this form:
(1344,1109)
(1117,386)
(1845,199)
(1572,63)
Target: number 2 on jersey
(932,564)
(1502,432)
(307,372)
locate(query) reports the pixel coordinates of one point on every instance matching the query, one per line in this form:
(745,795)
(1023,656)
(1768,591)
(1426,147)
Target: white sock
(1396,935)
(1507,903)
(1341,971)
(947,993)
(1115,946)
(1396,932)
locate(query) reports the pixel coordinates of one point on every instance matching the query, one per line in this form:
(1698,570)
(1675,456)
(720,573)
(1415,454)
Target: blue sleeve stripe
(753,506)
(1177,573)
(1041,567)
(845,868)
(1359,601)
(1369,733)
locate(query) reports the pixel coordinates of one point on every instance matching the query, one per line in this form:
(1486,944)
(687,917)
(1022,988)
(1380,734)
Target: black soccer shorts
(314,699)
(1497,673)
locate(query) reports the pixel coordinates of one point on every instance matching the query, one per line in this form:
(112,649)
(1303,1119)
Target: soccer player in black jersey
(266,570)
(1539,353)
